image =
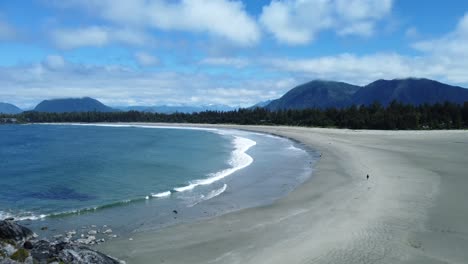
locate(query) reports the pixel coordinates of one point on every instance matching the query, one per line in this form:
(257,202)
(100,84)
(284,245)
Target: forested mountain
(85,104)
(409,91)
(6,108)
(316,94)
(326,94)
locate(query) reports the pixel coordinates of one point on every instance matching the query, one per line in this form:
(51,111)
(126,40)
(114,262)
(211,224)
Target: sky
(237,53)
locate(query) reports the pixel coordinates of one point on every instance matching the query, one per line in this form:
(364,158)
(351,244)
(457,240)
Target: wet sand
(413,208)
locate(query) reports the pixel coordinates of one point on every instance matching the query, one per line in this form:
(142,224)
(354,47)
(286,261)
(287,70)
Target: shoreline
(337,216)
(243,191)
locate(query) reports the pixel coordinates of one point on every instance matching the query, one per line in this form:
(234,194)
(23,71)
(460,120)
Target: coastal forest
(394,116)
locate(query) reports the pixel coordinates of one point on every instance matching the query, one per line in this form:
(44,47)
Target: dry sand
(413,209)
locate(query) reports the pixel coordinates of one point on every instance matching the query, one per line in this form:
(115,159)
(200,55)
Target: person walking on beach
(368,176)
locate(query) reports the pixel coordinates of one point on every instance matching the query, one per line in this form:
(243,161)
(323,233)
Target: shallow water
(133,178)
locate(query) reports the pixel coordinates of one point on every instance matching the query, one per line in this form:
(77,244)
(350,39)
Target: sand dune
(413,209)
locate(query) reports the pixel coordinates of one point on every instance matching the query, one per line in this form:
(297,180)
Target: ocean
(135,177)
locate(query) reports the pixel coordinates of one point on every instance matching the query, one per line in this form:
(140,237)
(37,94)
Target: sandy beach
(413,208)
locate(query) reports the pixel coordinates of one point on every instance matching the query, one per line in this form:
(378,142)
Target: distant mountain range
(85,104)
(6,108)
(325,94)
(166,109)
(261,104)
(314,94)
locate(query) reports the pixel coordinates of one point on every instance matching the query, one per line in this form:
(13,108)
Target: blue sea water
(134,177)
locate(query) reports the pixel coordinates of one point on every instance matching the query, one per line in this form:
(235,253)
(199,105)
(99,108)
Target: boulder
(13,231)
(87,241)
(43,251)
(28,245)
(76,254)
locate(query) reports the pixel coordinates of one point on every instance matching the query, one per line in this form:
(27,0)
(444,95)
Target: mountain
(260,104)
(324,94)
(410,91)
(85,104)
(316,94)
(6,108)
(166,109)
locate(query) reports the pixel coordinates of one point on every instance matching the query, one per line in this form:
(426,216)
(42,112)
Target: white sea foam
(22,217)
(239,160)
(215,193)
(292,147)
(212,194)
(161,195)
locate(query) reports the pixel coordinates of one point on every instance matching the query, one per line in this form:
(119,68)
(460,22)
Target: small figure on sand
(367,176)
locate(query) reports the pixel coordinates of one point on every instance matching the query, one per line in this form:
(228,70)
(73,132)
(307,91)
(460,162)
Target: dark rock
(43,251)
(9,219)
(44,228)
(28,245)
(11,230)
(70,253)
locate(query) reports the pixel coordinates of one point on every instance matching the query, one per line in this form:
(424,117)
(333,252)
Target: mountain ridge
(325,94)
(63,105)
(6,108)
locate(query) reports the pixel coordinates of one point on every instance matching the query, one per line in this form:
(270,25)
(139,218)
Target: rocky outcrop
(9,230)
(46,252)
(18,245)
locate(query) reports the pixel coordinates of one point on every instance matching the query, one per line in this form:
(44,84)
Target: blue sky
(194,52)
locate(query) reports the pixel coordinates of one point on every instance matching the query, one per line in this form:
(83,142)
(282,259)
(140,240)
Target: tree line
(375,116)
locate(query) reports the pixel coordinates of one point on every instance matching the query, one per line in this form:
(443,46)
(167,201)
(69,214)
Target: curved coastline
(337,216)
(239,160)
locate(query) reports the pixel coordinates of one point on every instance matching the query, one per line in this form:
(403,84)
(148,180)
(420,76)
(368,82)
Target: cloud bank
(299,21)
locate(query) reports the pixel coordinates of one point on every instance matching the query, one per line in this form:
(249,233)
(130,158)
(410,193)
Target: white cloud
(74,38)
(364,69)
(117,85)
(352,68)
(362,10)
(96,36)
(444,59)
(226,61)
(221,18)
(296,22)
(54,62)
(299,21)
(453,45)
(145,59)
(364,29)
(7,31)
